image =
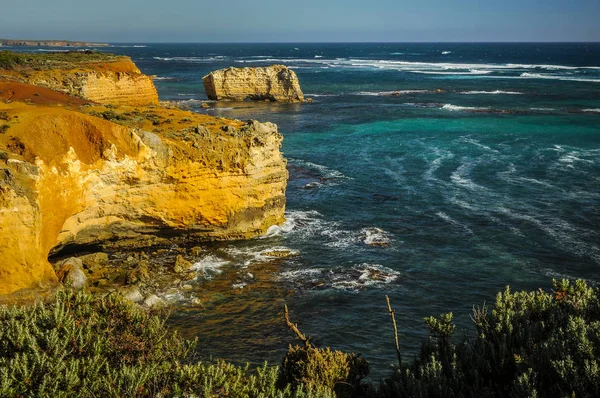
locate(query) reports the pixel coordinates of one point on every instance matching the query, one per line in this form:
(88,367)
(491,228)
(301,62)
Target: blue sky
(302,21)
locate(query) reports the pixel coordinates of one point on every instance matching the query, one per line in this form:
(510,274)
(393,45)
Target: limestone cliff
(102,78)
(68,178)
(273,83)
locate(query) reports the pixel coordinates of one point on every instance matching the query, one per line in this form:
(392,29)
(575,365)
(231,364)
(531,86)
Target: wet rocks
(182,265)
(71,272)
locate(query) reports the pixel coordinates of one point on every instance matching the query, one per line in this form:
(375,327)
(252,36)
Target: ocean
(436,174)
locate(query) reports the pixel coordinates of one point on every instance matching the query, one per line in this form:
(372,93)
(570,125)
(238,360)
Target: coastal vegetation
(10,60)
(531,344)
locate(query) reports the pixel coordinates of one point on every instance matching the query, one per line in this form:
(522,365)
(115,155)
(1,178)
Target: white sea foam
(374,236)
(471,72)
(437,162)
(543,109)
(472,141)
(460,177)
(446,52)
(495,92)
(326,172)
(318,56)
(567,235)
(454,108)
(355,278)
(209,266)
(452,221)
(132,46)
(388,93)
(527,75)
(190,59)
(593,110)
(301,219)
(322,95)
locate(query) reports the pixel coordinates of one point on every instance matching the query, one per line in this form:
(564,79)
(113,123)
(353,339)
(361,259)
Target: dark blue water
(476,166)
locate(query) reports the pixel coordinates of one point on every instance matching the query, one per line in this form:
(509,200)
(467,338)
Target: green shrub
(533,344)
(322,367)
(91,346)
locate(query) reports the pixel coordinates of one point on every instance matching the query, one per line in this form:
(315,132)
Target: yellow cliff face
(110,80)
(71,178)
(273,83)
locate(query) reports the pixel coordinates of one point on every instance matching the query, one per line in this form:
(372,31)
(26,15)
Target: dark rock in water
(181,265)
(139,274)
(196,251)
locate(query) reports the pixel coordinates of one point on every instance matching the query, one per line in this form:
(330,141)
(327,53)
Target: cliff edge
(271,83)
(99,77)
(73,175)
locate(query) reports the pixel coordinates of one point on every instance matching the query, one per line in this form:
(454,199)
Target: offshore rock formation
(101,78)
(69,178)
(272,83)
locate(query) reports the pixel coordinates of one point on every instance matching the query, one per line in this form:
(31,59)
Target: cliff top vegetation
(10,60)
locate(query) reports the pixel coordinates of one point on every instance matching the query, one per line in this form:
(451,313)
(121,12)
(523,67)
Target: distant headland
(49,43)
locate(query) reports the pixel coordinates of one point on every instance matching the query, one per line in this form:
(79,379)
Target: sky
(302,21)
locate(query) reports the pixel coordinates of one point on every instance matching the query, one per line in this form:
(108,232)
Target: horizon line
(314,42)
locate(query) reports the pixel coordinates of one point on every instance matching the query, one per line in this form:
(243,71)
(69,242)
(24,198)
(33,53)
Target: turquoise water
(475,165)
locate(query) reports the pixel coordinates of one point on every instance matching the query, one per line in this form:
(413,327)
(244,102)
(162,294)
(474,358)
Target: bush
(534,344)
(322,367)
(91,346)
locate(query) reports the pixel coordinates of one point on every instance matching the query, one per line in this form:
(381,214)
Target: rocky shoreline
(88,163)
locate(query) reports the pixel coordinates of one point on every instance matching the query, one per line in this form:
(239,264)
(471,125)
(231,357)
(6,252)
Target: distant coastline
(49,43)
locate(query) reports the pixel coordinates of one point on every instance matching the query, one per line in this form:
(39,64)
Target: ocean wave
(436,163)
(322,95)
(441,68)
(374,236)
(209,266)
(132,46)
(452,221)
(246,256)
(356,278)
(471,72)
(565,234)
(162,78)
(190,59)
(325,172)
(528,75)
(390,93)
(592,110)
(495,92)
(472,141)
(456,108)
(302,219)
(446,52)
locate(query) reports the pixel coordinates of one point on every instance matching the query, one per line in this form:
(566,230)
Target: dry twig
(295,329)
(395,330)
